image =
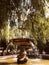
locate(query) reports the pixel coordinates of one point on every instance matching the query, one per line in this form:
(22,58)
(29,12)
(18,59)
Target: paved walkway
(13,59)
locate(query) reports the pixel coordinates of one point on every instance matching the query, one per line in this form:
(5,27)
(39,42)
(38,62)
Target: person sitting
(10,48)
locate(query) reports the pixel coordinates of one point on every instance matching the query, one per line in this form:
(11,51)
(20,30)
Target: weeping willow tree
(30,17)
(40,23)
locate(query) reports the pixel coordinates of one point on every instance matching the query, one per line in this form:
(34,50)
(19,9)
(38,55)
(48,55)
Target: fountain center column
(22,58)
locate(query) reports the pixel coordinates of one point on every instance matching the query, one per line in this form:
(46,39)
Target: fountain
(14,18)
(22,43)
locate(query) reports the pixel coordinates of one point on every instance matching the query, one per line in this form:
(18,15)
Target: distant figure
(10,48)
(35,50)
(43,52)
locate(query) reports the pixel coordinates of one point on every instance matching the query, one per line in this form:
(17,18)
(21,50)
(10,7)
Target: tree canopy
(22,17)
